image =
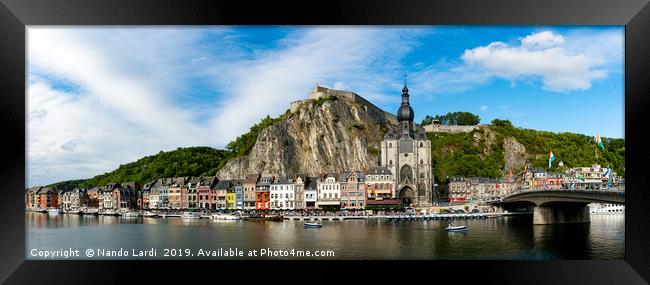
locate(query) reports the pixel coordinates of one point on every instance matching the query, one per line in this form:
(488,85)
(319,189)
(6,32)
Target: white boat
(225,217)
(190,215)
(313,225)
(54,211)
(452,228)
(90,212)
(109,212)
(131,214)
(607,209)
(149,214)
(231,217)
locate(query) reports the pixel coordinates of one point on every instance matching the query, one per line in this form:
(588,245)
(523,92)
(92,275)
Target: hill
(189,161)
(493,150)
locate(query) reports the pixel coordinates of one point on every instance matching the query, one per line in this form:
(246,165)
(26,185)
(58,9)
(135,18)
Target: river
(511,237)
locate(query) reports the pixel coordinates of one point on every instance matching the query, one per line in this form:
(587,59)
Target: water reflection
(495,238)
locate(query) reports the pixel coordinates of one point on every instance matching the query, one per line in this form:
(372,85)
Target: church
(406,152)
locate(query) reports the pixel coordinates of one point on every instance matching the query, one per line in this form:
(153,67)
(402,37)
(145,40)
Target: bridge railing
(528,190)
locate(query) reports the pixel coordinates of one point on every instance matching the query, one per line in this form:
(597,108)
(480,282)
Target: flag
(581,178)
(599,142)
(551,158)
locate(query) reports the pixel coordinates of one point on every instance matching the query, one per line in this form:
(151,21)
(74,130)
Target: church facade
(406,152)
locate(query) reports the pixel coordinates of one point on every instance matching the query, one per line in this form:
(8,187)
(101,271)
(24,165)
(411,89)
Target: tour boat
(313,225)
(190,215)
(452,228)
(54,211)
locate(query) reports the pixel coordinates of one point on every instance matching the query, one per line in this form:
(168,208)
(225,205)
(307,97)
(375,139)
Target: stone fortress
(324,92)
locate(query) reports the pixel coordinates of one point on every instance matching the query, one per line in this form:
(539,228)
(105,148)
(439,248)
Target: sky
(98,97)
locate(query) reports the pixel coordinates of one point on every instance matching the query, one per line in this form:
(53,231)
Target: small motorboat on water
(149,214)
(452,228)
(313,225)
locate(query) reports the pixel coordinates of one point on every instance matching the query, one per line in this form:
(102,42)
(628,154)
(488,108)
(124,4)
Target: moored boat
(189,215)
(90,212)
(54,211)
(149,214)
(131,214)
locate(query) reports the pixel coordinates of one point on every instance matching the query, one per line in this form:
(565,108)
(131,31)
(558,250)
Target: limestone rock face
(514,153)
(334,136)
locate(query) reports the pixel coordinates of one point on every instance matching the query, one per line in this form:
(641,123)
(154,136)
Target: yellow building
(231,200)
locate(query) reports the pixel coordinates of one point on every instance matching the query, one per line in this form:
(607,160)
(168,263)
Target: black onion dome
(405,113)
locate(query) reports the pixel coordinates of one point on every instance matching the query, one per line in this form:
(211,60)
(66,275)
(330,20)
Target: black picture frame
(15,15)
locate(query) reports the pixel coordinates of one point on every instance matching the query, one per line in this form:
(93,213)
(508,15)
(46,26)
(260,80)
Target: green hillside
(180,162)
(458,154)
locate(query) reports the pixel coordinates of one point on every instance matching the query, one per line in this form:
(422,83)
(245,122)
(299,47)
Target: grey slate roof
(344,175)
(223,185)
(379,170)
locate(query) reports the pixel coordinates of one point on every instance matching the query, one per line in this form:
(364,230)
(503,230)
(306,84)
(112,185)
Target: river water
(512,237)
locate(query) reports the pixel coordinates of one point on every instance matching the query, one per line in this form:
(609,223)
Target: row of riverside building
(346,190)
(478,189)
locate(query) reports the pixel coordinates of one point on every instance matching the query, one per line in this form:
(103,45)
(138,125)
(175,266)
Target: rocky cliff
(514,154)
(326,135)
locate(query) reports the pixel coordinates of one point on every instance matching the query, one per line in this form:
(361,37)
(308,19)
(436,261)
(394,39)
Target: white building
(406,152)
(329,191)
(283,194)
(106,199)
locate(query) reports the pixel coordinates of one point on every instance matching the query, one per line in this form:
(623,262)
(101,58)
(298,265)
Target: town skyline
(266,68)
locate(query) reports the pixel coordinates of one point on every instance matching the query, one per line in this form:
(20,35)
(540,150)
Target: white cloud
(484,108)
(540,55)
(124,108)
(542,40)
(368,58)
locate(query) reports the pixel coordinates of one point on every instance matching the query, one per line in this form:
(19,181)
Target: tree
(502,123)
(467,119)
(427,120)
(458,118)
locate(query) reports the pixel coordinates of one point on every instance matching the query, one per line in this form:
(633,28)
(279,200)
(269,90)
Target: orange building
(263,193)
(47,197)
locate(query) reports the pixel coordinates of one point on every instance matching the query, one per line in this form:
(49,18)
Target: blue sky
(102,96)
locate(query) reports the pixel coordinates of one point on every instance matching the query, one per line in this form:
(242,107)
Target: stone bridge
(560,206)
